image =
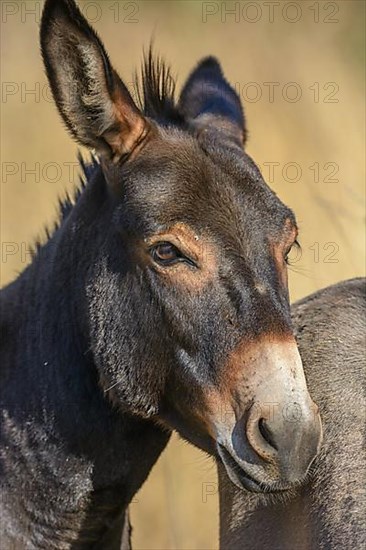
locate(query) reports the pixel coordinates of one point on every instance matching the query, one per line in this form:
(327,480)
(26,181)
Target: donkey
(329,511)
(160,302)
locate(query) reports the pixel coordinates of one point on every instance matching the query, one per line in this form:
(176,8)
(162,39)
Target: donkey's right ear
(93,101)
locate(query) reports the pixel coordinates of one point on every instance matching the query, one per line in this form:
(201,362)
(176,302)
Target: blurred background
(299,69)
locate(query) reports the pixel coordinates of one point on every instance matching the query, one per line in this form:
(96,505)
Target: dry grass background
(173,511)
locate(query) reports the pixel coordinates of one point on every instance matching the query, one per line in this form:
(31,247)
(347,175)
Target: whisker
(112,386)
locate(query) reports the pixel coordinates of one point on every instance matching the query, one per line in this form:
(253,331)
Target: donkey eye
(295,246)
(166,254)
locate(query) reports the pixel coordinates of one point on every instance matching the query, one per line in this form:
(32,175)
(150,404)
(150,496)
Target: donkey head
(186,277)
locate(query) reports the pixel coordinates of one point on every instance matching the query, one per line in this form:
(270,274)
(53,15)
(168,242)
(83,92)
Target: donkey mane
(67,202)
(155,89)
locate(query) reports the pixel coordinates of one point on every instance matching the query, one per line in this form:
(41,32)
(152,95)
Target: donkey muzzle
(287,437)
(273,441)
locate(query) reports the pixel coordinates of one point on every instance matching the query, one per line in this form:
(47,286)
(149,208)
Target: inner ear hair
(94,103)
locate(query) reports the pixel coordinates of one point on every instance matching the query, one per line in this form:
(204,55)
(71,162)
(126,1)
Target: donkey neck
(250,521)
(81,459)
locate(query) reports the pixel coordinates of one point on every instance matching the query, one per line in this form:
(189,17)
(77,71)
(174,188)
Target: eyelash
(180,257)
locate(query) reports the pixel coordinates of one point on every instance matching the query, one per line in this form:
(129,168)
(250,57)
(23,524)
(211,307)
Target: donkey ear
(208,101)
(93,101)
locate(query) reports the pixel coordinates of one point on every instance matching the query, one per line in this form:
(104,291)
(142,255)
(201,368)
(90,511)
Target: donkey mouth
(242,479)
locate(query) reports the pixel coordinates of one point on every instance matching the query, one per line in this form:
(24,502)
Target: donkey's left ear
(92,99)
(208,102)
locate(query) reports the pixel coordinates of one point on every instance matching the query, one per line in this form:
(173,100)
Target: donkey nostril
(266,433)
(261,435)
